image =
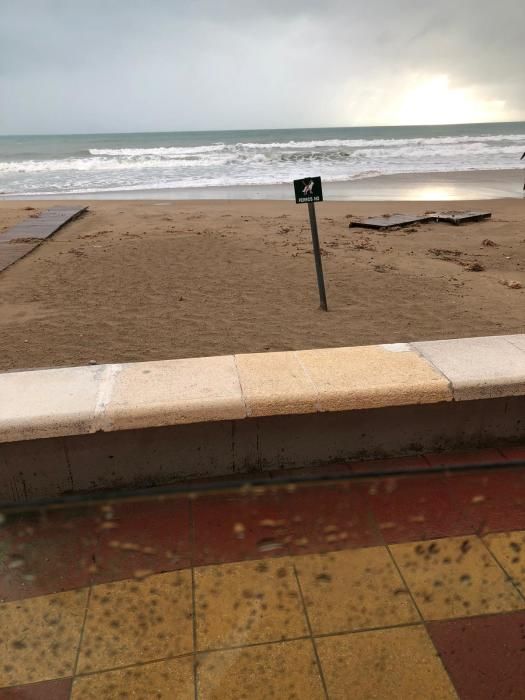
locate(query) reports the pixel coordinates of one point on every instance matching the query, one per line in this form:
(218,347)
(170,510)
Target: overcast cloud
(133,65)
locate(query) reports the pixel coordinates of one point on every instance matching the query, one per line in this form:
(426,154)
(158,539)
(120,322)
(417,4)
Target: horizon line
(286,128)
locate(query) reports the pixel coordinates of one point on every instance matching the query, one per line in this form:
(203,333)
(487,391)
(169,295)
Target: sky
(79,66)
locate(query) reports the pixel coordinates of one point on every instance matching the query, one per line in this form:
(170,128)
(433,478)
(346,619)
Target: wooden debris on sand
(394,220)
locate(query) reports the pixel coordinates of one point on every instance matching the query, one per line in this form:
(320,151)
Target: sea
(207,162)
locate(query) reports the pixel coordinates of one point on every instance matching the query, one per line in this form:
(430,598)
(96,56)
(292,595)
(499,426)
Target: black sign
(308,190)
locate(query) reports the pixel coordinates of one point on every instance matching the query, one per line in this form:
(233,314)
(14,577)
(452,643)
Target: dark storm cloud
(67,65)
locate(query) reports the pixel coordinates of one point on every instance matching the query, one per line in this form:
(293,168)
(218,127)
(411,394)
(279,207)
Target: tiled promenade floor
(394,587)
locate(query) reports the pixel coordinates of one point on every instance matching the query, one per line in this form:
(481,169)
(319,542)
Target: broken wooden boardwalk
(463,217)
(21,239)
(390,221)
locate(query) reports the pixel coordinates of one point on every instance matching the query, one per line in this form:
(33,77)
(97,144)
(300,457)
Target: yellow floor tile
(353,589)
(246,603)
(132,622)
(391,664)
(39,637)
(509,550)
(162,680)
(455,577)
(284,670)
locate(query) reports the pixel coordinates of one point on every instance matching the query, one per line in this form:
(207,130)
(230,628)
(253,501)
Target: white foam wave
(465,154)
(177,151)
(170,151)
(98,164)
(250,163)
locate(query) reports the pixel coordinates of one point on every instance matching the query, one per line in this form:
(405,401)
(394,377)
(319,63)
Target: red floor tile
(151,535)
(331,517)
(490,501)
(281,520)
(485,656)
(514,453)
(48,690)
(71,548)
(46,552)
(415,508)
(467,458)
(228,527)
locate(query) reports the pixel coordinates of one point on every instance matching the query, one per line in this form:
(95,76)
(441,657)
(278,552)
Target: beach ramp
(21,239)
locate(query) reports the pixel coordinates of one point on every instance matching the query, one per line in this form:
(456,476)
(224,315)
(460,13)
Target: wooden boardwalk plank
(43,226)
(389,221)
(11,252)
(463,217)
(21,239)
(382,222)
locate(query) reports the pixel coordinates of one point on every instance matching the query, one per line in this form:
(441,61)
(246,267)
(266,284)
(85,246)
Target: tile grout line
(424,621)
(194,608)
(366,630)
(171,657)
(137,664)
(237,647)
(308,624)
(81,638)
(252,645)
(321,635)
(508,577)
(396,566)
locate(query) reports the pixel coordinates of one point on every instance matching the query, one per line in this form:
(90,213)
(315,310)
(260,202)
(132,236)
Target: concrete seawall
(151,423)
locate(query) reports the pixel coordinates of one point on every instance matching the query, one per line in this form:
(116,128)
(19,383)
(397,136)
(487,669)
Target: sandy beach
(147,280)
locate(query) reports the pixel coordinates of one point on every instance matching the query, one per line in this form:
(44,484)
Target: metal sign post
(308,191)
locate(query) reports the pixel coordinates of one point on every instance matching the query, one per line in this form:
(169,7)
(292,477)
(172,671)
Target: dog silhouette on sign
(308,189)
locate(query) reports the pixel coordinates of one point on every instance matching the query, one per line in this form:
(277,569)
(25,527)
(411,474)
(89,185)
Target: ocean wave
(110,185)
(169,151)
(99,164)
(99,169)
(466,154)
(373,143)
(178,151)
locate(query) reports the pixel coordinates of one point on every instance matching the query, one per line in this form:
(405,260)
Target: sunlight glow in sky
(435,101)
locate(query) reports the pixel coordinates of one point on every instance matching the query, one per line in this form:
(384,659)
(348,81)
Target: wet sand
(146,280)
(451,186)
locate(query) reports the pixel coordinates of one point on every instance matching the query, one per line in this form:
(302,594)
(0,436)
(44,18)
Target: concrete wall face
(50,467)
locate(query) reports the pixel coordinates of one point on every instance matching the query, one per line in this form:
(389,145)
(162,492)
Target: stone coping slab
(479,368)
(50,403)
(173,392)
(83,400)
(276,383)
(372,377)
